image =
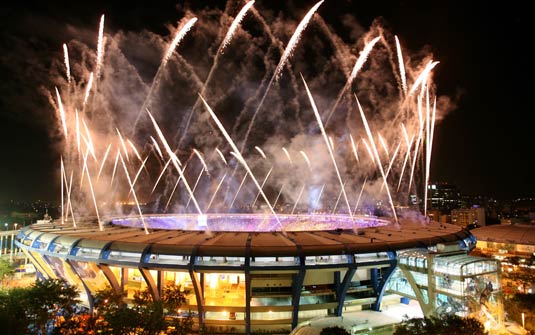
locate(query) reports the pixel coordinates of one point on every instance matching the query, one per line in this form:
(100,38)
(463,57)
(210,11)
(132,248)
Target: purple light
(251,222)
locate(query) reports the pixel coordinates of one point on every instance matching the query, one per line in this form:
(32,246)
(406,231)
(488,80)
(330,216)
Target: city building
(506,241)
(468,217)
(437,215)
(514,246)
(443,196)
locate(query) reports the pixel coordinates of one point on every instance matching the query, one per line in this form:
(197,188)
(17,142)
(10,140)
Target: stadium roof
(518,233)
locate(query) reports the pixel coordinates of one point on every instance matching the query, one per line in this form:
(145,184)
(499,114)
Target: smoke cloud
(134,80)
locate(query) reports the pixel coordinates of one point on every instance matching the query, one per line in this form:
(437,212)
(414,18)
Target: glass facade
(450,283)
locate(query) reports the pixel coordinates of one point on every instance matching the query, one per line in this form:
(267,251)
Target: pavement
(378,323)
(18,280)
(362,322)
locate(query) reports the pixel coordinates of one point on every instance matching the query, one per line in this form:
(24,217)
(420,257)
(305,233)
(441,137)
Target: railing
(9,232)
(7,243)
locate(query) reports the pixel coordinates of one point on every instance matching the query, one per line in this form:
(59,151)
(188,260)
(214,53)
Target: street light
(5,224)
(15,225)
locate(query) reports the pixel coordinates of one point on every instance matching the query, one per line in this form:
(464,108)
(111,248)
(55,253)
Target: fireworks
(101,116)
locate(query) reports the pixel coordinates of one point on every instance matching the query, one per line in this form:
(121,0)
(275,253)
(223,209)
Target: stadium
(257,277)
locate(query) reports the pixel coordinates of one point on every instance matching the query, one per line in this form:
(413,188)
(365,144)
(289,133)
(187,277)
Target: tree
(145,316)
(108,301)
(111,316)
(153,313)
(518,304)
(180,325)
(33,309)
(112,313)
(12,311)
(123,321)
(77,324)
(447,325)
(6,270)
(173,297)
(334,330)
(50,306)
(48,299)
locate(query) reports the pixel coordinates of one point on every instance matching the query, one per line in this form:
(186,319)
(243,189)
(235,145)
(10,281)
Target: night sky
(484,146)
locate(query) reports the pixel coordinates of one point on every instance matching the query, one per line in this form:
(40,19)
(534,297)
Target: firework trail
(101,227)
(69,202)
(181,33)
(139,170)
(62,175)
(221,155)
(84,160)
(287,155)
(275,42)
(278,196)
(394,155)
(338,199)
(161,174)
(287,53)
(360,195)
(261,152)
(100,47)
(331,141)
(178,37)
(157,147)
(77,119)
(175,161)
(369,150)
(423,76)
(379,164)
(173,193)
(298,198)
(67,66)
(318,118)
(238,191)
(226,41)
(354,148)
(401,67)
(262,186)
(62,114)
(306,159)
(384,144)
(407,156)
(134,194)
(418,140)
(103,160)
(195,186)
(318,198)
(358,65)
(123,145)
(295,39)
(429,150)
(240,158)
(115,165)
(198,154)
(216,190)
(88,90)
(235,25)
(89,141)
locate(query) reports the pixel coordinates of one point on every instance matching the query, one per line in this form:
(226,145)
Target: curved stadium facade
(242,272)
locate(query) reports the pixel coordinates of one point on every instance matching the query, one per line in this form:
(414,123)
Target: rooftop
(517,233)
(406,234)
